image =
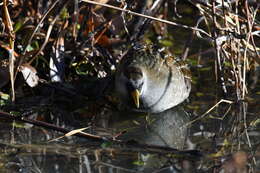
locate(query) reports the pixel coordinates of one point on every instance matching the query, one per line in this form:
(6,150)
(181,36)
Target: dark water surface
(220,133)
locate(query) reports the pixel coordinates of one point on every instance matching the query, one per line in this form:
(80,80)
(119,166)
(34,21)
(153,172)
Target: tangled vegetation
(53,52)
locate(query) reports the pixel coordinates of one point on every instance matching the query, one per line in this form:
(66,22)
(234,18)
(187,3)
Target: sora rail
(148,81)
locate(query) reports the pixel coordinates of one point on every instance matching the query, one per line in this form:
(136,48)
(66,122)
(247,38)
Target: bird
(148,80)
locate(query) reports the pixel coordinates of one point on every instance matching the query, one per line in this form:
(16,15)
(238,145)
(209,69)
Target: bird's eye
(134,73)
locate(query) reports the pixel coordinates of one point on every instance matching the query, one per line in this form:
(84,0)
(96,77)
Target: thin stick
(45,41)
(146,16)
(9,26)
(99,163)
(38,25)
(208,111)
(137,146)
(49,126)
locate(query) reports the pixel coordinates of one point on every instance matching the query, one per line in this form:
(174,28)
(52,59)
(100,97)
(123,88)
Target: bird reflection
(163,129)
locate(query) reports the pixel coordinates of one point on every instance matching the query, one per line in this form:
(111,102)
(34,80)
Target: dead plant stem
(146,16)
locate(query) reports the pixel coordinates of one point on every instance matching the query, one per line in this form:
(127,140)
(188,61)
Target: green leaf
(167,43)
(4,99)
(199,94)
(106,144)
(64,14)
(138,163)
(18,25)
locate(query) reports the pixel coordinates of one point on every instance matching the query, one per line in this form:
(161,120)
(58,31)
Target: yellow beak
(136,95)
